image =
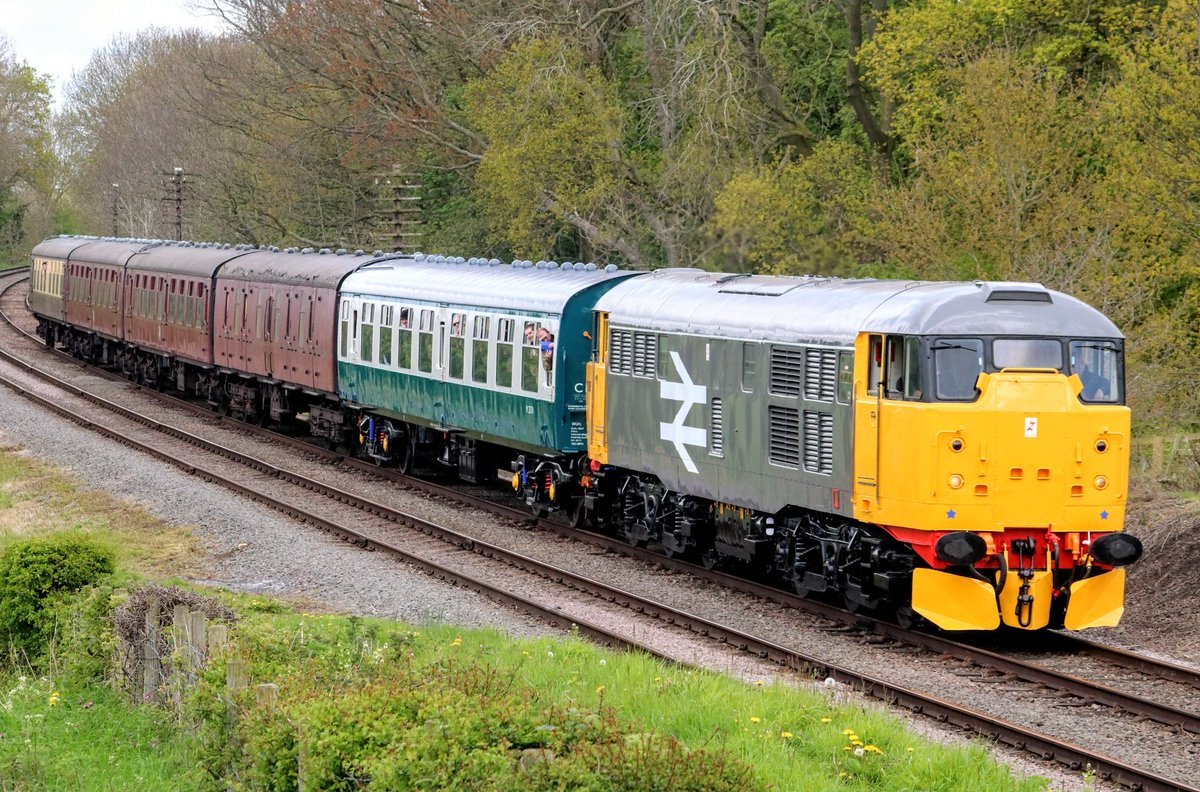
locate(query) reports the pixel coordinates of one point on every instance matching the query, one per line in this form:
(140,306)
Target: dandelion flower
(909,749)
(785,735)
(847,732)
(759,682)
(755,719)
(600,690)
(873,749)
(826,720)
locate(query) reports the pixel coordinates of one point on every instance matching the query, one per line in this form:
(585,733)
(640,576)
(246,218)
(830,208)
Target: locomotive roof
(834,311)
(519,288)
(309,268)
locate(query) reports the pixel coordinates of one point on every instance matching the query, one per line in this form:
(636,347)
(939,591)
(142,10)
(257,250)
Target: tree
(26,154)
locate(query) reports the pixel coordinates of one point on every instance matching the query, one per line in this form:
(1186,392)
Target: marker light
(955,481)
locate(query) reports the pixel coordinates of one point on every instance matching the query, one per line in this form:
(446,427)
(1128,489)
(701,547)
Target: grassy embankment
(425,706)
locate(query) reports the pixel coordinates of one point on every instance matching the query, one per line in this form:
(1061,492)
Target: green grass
(91,738)
(86,739)
(795,738)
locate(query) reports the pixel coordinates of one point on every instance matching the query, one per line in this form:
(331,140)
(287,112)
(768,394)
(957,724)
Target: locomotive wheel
(408,453)
(577,514)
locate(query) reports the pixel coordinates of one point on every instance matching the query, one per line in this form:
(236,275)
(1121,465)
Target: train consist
(955,453)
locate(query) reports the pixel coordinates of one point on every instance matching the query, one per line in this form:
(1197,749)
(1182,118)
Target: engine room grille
(818,442)
(645,354)
(785,371)
(784,444)
(620,353)
(820,375)
(717,427)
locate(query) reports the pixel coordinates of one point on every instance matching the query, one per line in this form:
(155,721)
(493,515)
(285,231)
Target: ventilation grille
(820,375)
(818,442)
(784,446)
(620,353)
(717,427)
(785,371)
(645,354)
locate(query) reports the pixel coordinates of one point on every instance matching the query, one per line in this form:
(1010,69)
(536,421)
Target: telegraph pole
(178,181)
(400,209)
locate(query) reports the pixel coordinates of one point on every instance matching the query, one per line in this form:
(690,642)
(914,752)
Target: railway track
(441,551)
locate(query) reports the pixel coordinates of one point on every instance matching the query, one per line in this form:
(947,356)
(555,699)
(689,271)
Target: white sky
(57,37)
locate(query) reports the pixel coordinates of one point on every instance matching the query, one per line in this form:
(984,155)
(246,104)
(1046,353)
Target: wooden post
(218,637)
(198,639)
(1156,457)
(237,676)
(151,662)
(266,695)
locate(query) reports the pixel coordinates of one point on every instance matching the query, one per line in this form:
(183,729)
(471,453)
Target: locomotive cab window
(1045,353)
(957,363)
(1098,365)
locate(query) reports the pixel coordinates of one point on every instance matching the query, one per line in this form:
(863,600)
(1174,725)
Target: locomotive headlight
(955,481)
(1101,482)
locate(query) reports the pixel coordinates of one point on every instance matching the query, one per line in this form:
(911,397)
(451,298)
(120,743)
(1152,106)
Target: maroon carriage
(273,325)
(91,292)
(167,307)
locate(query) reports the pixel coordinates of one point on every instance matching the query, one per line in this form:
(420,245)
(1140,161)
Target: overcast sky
(57,37)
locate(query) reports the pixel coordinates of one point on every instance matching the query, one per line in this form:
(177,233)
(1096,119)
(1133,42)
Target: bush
(463,727)
(36,576)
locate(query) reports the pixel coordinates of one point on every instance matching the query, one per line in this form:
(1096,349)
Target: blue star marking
(1104,515)
(951,514)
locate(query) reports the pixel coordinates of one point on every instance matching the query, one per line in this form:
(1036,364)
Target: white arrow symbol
(676,432)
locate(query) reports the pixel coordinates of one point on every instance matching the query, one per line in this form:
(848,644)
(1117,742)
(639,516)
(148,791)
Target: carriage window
(957,363)
(1027,353)
(404,340)
(479,349)
(366,339)
(1098,364)
(457,345)
(504,352)
(385,344)
(530,356)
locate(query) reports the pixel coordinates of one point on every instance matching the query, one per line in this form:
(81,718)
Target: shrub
(36,575)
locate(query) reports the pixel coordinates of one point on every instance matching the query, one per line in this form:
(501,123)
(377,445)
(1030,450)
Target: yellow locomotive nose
(1027,466)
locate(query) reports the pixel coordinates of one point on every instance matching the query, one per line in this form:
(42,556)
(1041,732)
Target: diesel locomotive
(950,453)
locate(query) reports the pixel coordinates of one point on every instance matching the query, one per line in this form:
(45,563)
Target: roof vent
(1014,292)
(611,268)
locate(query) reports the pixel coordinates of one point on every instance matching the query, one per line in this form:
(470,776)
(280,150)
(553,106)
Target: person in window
(546,344)
(1095,387)
(529,338)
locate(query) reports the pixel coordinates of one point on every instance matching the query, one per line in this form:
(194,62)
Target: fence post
(197,640)
(218,637)
(266,695)
(151,662)
(1156,456)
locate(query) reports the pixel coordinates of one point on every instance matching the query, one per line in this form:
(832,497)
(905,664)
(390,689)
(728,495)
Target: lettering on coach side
(677,433)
